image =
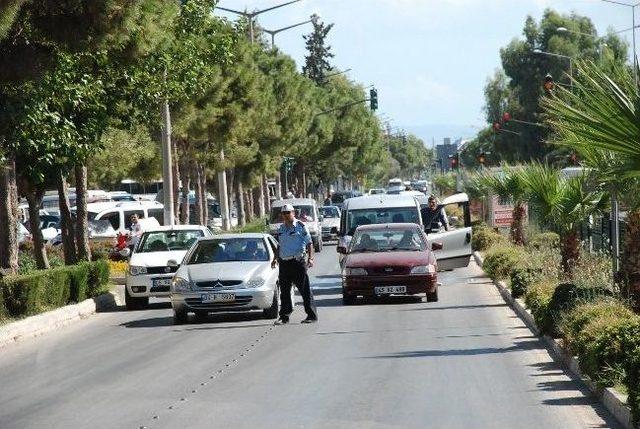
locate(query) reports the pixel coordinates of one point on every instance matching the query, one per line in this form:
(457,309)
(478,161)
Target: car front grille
(388,271)
(161,270)
(160,288)
(218,284)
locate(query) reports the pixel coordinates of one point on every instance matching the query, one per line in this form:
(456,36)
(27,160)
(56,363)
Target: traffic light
(288,163)
(455,161)
(373,99)
(549,84)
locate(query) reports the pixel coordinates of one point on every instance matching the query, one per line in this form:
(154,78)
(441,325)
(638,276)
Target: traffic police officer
(295,254)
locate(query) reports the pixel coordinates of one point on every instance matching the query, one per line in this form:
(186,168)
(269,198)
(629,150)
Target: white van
(375,209)
(306,211)
(456,242)
(119,213)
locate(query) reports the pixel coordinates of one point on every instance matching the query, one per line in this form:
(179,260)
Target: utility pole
(167,168)
(224,196)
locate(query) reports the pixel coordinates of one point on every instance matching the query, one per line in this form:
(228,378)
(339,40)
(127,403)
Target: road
(466,361)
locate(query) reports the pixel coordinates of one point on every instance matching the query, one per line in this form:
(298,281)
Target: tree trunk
(239,191)
(278,185)
(82,223)
(186,187)
(198,195)
(248,205)
(517,226)
(34,198)
(176,181)
(66,222)
(257,196)
(8,217)
(231,190)
(266,194)
(570,251)
(205,202)
(631,259)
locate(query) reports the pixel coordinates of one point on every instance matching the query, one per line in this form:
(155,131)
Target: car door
(456,242)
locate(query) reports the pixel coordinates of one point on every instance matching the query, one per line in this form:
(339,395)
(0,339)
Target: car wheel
(272,312)
(432,296)
(131,302)
(180,317)
(348,299)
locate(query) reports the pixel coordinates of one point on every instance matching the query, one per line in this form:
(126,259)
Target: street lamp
(251,15)
(633,28)
(280,30)
(551,54)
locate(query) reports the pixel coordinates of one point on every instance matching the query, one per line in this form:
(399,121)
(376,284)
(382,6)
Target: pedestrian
(136,231)
(295,256)
(432,215)
(327,201)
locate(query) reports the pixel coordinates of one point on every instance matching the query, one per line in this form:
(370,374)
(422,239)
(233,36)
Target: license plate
(218,297)
(382,290)
(162,282)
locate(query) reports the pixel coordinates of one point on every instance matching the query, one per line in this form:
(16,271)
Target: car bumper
(245,300)
(365,285)
(146,285)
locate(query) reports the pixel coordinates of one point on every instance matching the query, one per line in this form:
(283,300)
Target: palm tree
(509,186)
(563,203)
(600,120)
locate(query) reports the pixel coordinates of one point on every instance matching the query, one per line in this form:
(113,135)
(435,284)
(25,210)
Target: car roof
(108,205)
(383,226)
(380,201)
(455,198)
(330,207)
(237,235)
(177,228)
(293,202)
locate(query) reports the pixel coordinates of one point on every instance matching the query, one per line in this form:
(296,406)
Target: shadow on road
(456,307)
(204,323)
(516,347)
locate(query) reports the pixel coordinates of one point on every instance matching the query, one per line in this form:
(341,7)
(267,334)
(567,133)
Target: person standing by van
(295,255)
(136,232)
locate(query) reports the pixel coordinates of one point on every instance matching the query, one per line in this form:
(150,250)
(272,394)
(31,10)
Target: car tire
(348,299)
(133,303)
(180,317)
(272,312)
(432,296)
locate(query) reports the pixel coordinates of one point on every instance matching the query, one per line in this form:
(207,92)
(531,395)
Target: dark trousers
(295,272)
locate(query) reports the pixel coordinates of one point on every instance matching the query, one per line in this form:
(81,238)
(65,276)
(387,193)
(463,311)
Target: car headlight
(178,284)
(135,270)
(355,272)
(423,269)
(255,282)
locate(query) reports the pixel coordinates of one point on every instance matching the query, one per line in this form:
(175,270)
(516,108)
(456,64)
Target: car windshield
(303,213)
(374,216)
(101,228)
(388,240)
(229,250)
(329,212)
(164,241)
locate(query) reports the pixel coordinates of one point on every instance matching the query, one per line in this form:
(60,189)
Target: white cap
(287,208)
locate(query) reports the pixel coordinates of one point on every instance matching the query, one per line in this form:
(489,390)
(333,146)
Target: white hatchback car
(149,273)
(228,272)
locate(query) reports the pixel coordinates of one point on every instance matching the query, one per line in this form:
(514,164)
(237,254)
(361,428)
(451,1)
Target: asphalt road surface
(466,362)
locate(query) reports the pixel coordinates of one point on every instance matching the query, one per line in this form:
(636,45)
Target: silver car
(229,272)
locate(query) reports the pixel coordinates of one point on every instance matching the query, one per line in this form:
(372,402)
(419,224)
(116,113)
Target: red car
(389,259)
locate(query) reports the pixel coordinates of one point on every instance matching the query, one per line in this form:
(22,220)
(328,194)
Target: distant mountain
(430,132)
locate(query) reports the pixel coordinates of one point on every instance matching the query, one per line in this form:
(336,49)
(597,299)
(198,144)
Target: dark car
(337,199)
(389,259)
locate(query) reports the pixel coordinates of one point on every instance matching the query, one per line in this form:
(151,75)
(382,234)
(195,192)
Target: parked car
(376,191)
(121,196)
(149,274)
(389,259)
(229,272)
(376,209)
(23,233)
(395,186)
(306,211)
(330,222)
(456,252)
(119,213)
(100,231)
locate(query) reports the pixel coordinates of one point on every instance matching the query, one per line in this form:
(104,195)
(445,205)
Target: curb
(612,400)
(39,324)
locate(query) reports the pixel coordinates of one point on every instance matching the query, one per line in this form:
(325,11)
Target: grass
(256,225)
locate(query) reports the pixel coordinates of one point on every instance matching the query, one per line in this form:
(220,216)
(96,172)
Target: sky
(428,59)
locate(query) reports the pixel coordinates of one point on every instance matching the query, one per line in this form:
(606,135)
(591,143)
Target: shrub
(38,291)
(100,249)
(537,299)
(594,270)
(565,297)
(544,240)
(521,278)
(499,261)
(484,238)
(632,382)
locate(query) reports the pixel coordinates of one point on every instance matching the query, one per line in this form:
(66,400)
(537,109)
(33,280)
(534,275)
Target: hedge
(39,291)
(484,237)
(499,261)
(544,240)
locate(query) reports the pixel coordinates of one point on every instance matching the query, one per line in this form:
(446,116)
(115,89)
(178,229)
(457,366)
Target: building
(443,151)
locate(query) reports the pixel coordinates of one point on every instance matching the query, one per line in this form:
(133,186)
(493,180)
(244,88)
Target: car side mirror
(172,263)
(436,246)
(342,250)
(125,253)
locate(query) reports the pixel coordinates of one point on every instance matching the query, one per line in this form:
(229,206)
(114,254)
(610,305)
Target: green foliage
(257,225)
(484,238)
(537,299)
(544,240)
(632,382)
(317,60)
(539,265)
(39,291)
(445,183)
(499,260)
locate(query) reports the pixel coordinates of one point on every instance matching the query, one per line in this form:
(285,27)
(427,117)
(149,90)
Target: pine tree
(317,61)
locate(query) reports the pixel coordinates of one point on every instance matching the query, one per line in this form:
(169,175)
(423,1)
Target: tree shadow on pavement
(457,307)
(516,347)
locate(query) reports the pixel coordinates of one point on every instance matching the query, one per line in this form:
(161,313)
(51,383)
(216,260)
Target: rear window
(303,213)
